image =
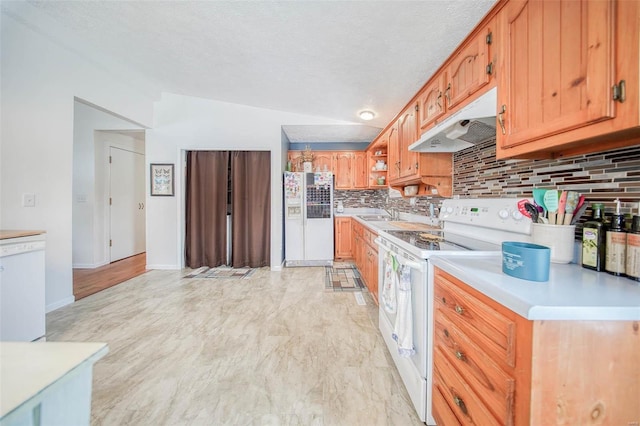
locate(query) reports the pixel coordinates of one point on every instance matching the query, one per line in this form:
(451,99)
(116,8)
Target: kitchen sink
(378,218)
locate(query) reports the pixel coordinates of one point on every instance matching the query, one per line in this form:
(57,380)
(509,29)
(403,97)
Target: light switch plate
(28,200)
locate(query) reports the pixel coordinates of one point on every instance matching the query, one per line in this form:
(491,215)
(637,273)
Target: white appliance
(22,304)
(473,124)
(308,199)
(470,227)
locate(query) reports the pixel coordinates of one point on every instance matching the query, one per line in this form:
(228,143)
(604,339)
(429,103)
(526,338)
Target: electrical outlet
(412,201)
(28,200)
(361,200)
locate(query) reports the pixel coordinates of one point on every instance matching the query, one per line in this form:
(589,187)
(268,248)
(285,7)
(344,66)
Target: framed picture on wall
(162,179)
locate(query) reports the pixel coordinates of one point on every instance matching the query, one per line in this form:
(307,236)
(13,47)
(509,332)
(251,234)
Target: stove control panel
(495,213)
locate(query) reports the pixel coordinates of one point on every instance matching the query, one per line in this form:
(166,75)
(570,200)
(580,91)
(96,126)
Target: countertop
(406,221)
(572,292)
(8,233)
(27,368)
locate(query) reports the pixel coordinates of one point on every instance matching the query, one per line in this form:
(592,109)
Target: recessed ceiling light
(366,115)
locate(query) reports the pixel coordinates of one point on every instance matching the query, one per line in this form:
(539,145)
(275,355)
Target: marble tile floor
(274,349)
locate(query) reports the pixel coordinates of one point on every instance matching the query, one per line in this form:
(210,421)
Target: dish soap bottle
(633,249)
(594,239)
(616,255)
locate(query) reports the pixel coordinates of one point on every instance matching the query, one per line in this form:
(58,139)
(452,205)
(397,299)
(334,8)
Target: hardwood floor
(90,281)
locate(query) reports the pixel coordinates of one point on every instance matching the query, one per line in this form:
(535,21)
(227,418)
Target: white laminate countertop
(27,368)
(572,292)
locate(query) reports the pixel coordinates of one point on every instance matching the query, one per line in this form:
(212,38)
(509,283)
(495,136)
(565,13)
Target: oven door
(413,369)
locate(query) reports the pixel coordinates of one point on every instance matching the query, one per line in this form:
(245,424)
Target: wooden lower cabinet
(343,238)
(492,366)
(365,253)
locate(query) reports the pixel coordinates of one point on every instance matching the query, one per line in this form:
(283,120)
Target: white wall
(187,123)
(90,179)
(40,79)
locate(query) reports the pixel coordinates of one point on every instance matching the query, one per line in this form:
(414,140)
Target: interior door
(127,203)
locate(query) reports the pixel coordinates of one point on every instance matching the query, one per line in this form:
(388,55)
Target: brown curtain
(206,209)
(251,208)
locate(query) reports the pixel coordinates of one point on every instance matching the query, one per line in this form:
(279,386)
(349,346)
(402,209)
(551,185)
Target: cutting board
(414,226)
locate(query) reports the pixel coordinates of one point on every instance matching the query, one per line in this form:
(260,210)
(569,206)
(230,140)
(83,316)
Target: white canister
(559,238)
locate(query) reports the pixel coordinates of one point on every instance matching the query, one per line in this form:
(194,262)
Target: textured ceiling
(323,58)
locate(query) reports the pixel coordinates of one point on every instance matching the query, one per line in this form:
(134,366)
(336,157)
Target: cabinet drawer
(461,398)
(442,413)
(494,332)
(369,237)
(488,380)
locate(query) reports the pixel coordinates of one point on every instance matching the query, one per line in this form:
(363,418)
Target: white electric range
(469,227)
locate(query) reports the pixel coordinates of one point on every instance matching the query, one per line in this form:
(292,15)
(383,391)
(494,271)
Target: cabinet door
(296,160)
(359,167)
(323,161)
(343,171)
(430,103)
(557,68)
(408,134)
(394,153)
(343,238)
(467,71)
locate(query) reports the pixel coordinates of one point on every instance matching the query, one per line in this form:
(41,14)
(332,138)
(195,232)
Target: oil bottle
(594,239)
(616,249)
(633,248)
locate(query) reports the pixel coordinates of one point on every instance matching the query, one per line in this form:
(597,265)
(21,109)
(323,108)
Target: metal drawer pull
(459,309)
(460,403)
(460,356)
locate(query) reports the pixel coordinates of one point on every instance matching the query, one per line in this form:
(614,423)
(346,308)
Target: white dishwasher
(22,294)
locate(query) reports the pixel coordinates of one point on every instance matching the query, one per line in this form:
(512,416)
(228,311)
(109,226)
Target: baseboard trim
(163,267)
(59,304)
(88,265)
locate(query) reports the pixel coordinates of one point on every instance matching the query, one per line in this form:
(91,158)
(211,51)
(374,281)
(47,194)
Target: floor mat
(221,272)
(343,277)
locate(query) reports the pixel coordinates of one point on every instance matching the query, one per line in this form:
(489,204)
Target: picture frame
(162,182)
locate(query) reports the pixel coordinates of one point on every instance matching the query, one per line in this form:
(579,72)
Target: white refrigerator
(308,199)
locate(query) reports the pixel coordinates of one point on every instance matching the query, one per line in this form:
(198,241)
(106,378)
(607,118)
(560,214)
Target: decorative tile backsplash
(601,177)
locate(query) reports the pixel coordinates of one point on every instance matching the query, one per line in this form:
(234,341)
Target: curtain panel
(251,208)
(206,208)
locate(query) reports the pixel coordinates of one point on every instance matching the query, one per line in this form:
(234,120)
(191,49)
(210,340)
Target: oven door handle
(400,259)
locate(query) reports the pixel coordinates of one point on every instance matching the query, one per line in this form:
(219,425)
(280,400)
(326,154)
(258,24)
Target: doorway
(126,203)
(225,187)
(98,136)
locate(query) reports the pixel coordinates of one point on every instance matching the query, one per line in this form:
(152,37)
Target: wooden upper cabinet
(343,171)
(557,68)
(408,134)
(393,172)
(323,161)
(359,169)
(470,68)
(431,102)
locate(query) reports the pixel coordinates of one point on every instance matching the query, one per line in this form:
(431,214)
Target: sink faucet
(393,212)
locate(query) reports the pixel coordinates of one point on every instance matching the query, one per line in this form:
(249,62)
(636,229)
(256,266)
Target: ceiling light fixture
(367,115)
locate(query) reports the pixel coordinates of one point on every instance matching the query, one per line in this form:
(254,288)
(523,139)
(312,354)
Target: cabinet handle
(460,403)
(459,309)
(398,165)
(439,100)
(501,119)
(460,356)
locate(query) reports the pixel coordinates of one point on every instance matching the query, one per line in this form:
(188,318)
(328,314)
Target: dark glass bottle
(594,239)
(633,250)
(616,250)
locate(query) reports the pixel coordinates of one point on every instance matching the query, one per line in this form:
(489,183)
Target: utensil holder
(559,238)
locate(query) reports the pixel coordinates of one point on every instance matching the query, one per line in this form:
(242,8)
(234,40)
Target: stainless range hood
(475,123)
